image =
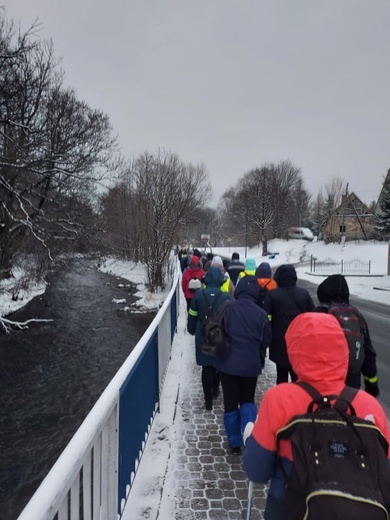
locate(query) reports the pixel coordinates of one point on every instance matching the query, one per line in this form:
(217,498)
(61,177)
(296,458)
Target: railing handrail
(57,483)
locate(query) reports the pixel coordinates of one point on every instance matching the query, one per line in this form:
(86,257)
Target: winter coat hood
(247,288)
(333,289)
(317,349)
(285,275)
(214,277)
(217,262)
(250,264)
(264,270)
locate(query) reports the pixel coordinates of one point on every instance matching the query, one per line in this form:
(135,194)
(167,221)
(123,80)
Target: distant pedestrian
(186,259)
(265,281)
(282,305)
(210,376)
(248,333)
(235,267)
(227,285)
(249,269)
(192,279)
(333,294)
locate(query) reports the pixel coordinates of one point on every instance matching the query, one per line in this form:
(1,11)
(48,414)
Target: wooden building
(352,220)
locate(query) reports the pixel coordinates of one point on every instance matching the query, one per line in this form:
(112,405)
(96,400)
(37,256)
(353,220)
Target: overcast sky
(233,84)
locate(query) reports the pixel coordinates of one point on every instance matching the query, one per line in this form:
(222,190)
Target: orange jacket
(269,283)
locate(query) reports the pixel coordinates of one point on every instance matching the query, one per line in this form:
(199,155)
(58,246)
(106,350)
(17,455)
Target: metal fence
(329,266)
(92,478)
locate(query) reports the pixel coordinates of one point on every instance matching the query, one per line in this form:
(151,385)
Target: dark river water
(51,374)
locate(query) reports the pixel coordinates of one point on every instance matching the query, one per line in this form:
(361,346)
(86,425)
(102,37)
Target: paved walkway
(187,471)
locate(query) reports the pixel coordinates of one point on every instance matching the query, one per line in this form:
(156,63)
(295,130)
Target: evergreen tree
(383,216)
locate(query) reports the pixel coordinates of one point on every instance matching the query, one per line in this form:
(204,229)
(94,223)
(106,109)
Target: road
(377,316)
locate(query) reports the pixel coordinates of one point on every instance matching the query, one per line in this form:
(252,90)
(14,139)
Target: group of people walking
(271,314)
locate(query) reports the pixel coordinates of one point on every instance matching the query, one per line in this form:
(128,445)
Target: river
(51,374)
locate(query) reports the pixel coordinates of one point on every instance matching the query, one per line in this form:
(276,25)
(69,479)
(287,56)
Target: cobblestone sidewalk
(188,471)
(210,481)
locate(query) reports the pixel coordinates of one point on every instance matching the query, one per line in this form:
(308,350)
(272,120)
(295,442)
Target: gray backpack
(214,338)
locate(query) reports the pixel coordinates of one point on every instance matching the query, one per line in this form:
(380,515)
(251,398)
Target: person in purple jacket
(248,332)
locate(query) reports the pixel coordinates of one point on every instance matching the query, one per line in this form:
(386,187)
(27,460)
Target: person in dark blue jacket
(282,305)
(235,267)
(213,280)
(249,334)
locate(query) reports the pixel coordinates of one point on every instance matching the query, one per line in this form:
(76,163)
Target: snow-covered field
(375,287)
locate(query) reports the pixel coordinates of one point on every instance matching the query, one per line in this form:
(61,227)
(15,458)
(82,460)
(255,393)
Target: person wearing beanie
(282,305)
(234,268)
(318,353)
(333,293)
(248,333)
(212,290)
(227,285)
(265,281)
(249,269)
(264,271)
(197,253)
(193,272)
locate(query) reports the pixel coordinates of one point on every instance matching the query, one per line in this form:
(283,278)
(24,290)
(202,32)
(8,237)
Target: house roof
(353,201)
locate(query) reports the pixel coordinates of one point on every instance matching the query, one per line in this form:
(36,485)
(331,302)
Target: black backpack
(352,324)
(262,294)
(214,338)
(340,469)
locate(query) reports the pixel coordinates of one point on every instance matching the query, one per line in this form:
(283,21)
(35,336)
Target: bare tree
(257,196)
(163,194)
(54,150)
(287,178)
(264,202)
(318,214)
(334,189)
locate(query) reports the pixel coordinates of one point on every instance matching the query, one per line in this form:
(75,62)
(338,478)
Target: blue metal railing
(92,478)
(135,414)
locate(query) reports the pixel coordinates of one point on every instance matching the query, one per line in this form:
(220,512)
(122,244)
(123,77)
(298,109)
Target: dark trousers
(282,374)
(210,381)
(237,390)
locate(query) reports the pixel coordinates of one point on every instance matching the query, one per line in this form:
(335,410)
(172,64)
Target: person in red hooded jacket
(318,352)
(193,273)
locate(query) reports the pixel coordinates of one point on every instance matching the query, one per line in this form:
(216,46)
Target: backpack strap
(313,392)
(346,397)
(343,401)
